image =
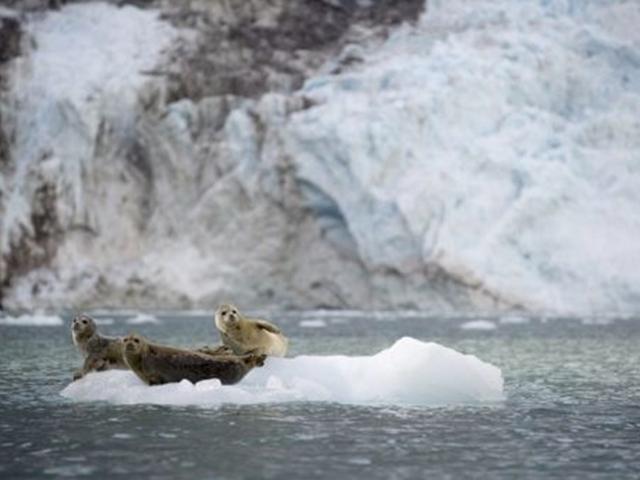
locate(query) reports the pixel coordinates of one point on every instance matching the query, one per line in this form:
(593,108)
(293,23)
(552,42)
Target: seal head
(83,327)
(227,317)
(100,352)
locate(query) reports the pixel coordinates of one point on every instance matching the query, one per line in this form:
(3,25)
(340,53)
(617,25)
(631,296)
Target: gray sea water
(572,409)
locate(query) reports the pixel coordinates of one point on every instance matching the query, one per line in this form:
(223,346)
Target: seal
(246,335)
(100,352)
(215,351)
(159,364)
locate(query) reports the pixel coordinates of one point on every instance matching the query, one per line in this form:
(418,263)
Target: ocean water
(572,407)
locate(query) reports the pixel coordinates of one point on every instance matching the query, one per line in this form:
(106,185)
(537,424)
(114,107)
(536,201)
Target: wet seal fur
(215,351)
(159,364)
(100,352)
(246,335)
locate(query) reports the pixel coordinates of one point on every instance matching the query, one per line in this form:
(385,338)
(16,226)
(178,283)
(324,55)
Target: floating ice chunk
(34,320)
(478,325)
(596,321)
(142,318)
(513,320)
(410,372)
(318,323)
(104,321)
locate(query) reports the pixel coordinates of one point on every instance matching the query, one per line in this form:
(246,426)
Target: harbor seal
(215,351)
(100,352)
(158,364)
(246,335)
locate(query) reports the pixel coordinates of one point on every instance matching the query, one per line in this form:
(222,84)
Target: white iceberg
(410,372)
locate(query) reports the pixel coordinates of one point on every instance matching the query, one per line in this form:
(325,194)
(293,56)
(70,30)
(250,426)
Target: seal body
(158,364)
(215,351)
(100,352)
(245,335)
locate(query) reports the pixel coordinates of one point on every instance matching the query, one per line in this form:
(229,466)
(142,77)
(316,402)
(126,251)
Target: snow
(410,372)
(33,320)
(484,325)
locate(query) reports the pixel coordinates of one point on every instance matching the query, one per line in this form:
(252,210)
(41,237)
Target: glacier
(482,157)
(410,372)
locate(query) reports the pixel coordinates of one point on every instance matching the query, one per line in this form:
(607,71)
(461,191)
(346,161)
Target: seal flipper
(269,327)
(91,364)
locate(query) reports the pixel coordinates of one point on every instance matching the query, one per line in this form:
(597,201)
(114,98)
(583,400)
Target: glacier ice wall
(483,157)
(499,143)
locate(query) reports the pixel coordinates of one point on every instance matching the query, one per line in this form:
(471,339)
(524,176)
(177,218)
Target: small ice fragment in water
(319,323)
(142,318)
(104,321)
(34,320)
(597,321)
(513,320)
(478,325)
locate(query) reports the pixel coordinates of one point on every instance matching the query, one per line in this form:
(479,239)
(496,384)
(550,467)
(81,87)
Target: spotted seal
(246,335)
(158,364)
(100,352)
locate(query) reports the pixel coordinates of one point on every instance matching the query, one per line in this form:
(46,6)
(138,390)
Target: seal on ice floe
(246,335)
(100,352)
(215,351)
(159,364)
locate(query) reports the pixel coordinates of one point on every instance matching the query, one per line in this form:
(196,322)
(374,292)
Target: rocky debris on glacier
(326,153)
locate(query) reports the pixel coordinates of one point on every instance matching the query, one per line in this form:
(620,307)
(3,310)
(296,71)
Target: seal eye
(84,321)
(135,340)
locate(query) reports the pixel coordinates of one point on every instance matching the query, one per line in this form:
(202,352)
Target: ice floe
(410,372)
